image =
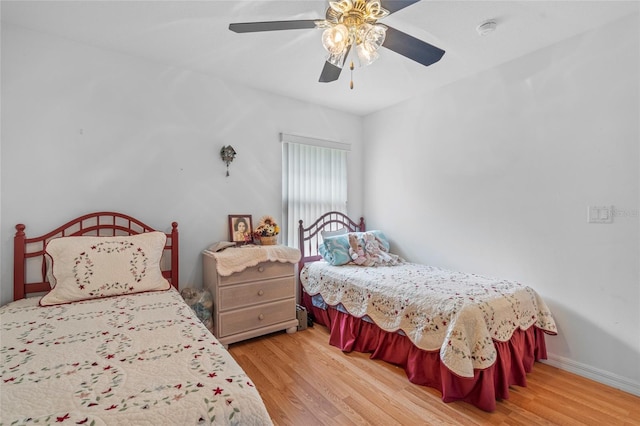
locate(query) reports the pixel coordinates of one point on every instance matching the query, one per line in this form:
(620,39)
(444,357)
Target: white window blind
(314,181)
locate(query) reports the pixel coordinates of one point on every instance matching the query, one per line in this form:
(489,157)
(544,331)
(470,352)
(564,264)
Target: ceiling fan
(351,26)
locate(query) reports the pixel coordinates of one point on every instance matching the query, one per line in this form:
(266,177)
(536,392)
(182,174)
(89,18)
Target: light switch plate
(600,214)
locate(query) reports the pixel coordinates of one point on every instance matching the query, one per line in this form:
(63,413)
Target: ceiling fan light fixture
(335,39)
(351,26)
(372,36)
(365,56)
(337,59)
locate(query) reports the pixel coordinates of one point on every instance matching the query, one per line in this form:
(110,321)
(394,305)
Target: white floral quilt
(142,359)
(457,313)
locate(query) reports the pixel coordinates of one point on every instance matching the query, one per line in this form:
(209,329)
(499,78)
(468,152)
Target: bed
(470,337)
(111,341)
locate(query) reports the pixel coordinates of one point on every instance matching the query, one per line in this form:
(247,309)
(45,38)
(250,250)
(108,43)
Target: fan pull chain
(351,83)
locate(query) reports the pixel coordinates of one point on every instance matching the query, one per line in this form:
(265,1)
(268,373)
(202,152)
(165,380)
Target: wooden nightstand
(254,301)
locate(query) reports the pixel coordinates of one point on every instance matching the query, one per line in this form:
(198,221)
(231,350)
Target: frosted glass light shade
(372,36)
(335,39)
(365,57)
(337,59)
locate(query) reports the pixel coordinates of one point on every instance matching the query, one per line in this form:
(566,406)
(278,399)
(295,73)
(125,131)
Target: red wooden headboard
(29,265)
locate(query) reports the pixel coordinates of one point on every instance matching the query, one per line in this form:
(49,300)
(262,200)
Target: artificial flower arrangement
(266,228)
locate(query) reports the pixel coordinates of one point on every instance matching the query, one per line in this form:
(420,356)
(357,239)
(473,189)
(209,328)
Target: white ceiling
(195,35)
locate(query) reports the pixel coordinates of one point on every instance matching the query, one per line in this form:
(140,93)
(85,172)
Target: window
(314,181)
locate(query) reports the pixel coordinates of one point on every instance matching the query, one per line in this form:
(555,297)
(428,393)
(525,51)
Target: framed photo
(240,228)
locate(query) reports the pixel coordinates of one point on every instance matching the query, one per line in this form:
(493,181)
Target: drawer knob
(260,292)
(260,268)
(261,317)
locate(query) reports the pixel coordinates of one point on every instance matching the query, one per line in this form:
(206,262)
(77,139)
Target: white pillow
(85,268)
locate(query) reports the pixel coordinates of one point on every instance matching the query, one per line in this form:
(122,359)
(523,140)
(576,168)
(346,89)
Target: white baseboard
(600,376)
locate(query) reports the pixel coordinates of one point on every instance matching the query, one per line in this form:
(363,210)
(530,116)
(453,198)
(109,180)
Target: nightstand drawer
(262,271)
(256,317)
(236,296)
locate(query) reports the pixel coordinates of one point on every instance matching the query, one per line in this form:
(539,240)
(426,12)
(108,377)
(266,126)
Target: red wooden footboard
(29,265)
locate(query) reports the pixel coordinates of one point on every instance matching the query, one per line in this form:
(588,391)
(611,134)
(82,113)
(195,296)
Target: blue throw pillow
(335,250)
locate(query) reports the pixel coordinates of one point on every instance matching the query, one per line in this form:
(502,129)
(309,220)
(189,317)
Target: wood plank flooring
(305,381)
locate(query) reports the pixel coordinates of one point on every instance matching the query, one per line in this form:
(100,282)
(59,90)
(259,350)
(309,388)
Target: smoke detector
(487,27)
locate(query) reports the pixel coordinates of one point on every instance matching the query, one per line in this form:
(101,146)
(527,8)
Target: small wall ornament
(227,153)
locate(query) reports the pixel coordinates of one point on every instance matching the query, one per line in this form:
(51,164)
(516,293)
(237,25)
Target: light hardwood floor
(305,381)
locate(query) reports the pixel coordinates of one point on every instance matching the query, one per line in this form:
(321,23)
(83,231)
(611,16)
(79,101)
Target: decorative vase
(269,241)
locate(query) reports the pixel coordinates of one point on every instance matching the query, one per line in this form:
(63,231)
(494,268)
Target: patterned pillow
(335,250)
(85,268)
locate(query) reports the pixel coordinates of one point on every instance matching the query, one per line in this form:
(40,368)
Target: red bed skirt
(515,358)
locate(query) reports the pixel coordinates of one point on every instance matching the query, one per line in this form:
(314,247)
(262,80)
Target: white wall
(494,174)
(84,129)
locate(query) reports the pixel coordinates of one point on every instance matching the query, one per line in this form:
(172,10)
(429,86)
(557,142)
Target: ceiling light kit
(351,29)
(351,26)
